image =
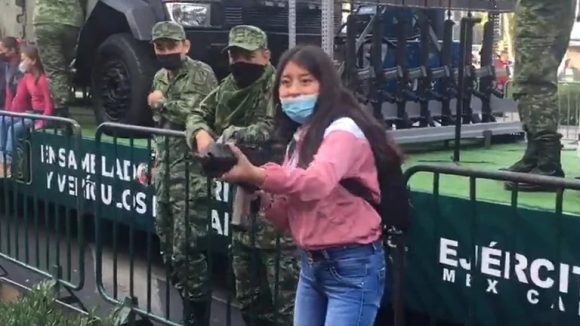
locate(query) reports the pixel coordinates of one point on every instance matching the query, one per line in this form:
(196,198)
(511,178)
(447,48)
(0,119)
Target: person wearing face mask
(241,109)
(32,96)
(331,140)
(177,88)
(10,56)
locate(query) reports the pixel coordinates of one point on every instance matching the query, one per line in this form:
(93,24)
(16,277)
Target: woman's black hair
(31,52)
(334,102)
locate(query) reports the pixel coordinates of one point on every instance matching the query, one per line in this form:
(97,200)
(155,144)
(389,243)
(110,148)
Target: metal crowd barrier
(130,272)
(36,234)
(522,268)
(129,269)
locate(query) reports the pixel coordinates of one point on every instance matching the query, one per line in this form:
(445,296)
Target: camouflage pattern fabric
(180,189)
(542,35)
(167,30)
(247,37)
(59,12)
(256,272)
(247,115)
(227,109)
(56,48)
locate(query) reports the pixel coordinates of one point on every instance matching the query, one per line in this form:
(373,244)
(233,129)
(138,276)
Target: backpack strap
(357,189)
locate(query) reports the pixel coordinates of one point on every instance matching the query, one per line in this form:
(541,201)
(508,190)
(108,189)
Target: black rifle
(465,80)
(377,62)
(404,92)
(448,84)
(486,73)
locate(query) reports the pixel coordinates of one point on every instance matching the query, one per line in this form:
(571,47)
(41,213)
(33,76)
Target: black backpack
(395,206)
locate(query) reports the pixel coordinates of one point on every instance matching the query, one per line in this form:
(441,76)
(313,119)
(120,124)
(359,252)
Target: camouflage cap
(247,37)
(167,30)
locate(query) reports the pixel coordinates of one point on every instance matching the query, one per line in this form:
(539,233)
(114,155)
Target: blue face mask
(299,108)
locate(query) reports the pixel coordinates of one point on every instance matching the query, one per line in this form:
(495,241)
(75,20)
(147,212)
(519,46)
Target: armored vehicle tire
(120,81)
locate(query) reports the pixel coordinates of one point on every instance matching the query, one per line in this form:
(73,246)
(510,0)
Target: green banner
(492,264)
(61,174)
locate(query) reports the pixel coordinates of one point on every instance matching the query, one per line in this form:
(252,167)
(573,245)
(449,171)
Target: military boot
(528,161)
(195,313)
(549,163)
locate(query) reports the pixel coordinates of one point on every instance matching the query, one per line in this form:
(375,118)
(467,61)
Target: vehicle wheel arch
(107,18)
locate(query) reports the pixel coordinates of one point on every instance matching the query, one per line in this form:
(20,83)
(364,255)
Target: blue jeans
(11,128)
(341,286)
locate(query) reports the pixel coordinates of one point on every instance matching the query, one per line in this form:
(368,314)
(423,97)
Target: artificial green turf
(496,157)
(473,156)
(86,118)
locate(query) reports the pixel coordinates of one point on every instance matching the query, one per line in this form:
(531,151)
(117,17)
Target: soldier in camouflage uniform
(181,200)
(241,109)
(543,30)
(56,25)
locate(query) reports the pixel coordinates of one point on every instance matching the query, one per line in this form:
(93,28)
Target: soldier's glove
(217,159)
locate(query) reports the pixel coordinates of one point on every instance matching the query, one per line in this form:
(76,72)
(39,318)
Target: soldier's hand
(203,139)
(230,133)
(154,97)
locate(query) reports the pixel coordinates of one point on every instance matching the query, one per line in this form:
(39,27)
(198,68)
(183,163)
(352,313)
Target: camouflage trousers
(181,225)
(57,47)
(266,281)
(542,35)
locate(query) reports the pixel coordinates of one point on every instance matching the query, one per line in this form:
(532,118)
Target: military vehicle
(114,59)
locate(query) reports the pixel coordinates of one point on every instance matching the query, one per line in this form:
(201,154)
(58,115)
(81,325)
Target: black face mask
(171,61)
(246,73)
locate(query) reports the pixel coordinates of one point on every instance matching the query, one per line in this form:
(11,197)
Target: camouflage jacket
(181,94)
(250,112)
(65,12)
(228,108)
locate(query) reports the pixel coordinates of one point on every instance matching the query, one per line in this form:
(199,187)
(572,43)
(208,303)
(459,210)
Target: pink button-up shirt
(311,203)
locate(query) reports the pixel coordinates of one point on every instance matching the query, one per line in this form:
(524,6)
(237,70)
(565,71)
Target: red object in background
(142,175)
(501,73)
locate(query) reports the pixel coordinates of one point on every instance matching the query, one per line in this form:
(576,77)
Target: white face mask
(23,67)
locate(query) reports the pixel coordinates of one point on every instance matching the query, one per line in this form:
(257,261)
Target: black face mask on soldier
(170,61)
(246,73)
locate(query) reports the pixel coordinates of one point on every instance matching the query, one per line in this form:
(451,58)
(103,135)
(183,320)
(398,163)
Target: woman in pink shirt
(343,270)
(32,96)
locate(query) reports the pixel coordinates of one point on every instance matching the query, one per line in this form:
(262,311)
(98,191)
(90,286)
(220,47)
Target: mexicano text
(495,265)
